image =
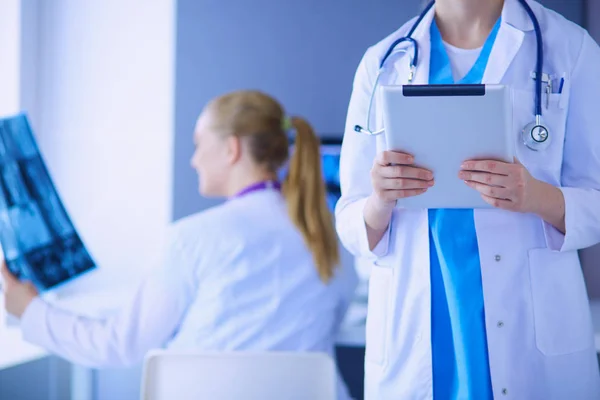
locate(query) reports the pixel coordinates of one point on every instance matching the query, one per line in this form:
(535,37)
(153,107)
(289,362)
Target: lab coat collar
(514,14)
(515,21)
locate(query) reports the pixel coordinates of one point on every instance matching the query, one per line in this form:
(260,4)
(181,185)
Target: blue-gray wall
(571,9)
(304,53)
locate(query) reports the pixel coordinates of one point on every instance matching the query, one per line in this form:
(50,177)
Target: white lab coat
(539,329)
(237,277)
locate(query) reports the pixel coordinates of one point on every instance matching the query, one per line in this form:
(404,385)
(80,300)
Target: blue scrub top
(459,343)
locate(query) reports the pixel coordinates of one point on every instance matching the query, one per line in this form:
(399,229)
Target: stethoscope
(535,135)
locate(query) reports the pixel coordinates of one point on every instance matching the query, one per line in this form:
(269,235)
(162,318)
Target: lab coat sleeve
(581,158)
(357,156)
(148,321)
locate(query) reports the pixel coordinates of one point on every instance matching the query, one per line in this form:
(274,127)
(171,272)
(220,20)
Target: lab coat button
(504,391)
(498,258)
(500,324)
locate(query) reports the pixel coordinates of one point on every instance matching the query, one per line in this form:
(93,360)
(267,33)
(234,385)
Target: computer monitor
(330,165)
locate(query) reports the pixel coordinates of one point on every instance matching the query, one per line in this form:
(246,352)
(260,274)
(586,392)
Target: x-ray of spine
(39,241)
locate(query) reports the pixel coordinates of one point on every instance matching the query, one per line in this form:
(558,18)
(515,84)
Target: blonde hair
(262,121)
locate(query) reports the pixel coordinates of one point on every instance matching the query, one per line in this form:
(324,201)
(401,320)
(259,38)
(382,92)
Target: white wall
(10,54)
(97,80)
(105,121)
(10,44)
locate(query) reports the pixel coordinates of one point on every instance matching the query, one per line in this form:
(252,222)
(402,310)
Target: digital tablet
(444,125)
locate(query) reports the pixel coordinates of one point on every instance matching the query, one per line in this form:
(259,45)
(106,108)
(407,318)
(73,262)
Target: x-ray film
(39,241)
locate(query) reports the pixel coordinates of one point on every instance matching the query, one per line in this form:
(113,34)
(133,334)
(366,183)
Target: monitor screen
(330,164)
(39,242)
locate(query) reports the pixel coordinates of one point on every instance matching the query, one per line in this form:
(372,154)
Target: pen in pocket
(560,87)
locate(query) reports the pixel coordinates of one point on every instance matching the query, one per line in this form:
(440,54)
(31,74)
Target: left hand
(508,186)
(17,295)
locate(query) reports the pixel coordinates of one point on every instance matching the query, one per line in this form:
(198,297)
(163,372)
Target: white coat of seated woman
(259,272)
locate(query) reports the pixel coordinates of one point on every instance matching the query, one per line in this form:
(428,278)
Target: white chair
(238,376)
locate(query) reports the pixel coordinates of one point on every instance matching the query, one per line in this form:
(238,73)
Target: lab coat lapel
(508,43)
(515,22)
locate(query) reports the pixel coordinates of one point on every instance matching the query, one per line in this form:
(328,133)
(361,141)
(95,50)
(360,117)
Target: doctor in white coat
(259,272)
(494,305)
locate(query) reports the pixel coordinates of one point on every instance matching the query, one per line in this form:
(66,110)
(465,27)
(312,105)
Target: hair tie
(286,124)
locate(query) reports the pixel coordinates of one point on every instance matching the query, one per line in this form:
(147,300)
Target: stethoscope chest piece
(536,136)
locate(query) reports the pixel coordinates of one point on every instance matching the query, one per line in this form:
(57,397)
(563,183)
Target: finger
(390,195)
(404,171)
(394,157)
(412,192)
(485,177)
(490,191)
(496,167)
(404,184)
(498,203)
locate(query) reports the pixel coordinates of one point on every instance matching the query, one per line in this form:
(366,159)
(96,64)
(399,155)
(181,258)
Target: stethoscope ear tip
(358,128)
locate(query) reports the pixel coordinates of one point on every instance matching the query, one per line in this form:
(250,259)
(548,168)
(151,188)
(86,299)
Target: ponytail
(304,191)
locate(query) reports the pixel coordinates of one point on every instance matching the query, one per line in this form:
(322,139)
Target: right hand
(394,176)
(17,295)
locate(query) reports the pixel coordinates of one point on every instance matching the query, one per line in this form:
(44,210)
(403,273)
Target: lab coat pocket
(561,311)
(378,313)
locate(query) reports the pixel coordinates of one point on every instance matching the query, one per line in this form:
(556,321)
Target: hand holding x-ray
(17,295)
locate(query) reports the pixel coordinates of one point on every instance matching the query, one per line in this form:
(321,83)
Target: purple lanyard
(259,186)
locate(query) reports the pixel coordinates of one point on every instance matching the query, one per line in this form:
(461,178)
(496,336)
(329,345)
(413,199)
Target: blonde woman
(259,272)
